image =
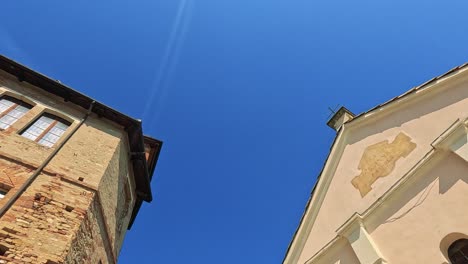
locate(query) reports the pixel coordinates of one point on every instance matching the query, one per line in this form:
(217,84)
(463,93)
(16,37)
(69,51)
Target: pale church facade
(394,188)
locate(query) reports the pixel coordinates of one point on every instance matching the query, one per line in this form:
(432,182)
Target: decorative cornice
(354,222)
(458,129)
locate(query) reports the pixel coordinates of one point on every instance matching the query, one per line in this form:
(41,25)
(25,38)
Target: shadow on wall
(421,189)
(446,182)
(342,253)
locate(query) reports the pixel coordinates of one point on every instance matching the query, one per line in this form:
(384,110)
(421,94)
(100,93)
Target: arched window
(458,252)
(11,110)
(46,130)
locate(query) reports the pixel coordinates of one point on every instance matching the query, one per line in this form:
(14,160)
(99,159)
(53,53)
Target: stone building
(394,188)
(73,172)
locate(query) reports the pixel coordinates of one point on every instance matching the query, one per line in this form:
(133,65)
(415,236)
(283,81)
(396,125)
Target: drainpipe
(38,171)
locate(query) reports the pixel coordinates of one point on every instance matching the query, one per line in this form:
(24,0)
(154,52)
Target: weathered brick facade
(80,205)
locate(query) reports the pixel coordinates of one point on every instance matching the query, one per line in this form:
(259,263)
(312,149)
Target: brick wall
(78,208)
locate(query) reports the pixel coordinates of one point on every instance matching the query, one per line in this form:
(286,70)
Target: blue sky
(238,91)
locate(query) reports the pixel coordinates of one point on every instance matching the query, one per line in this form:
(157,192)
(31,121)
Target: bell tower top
(339,118)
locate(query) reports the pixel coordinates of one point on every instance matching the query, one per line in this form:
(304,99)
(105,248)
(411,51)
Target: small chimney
(339,118)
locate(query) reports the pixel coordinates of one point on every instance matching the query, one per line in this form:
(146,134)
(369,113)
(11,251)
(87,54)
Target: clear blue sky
(238,90)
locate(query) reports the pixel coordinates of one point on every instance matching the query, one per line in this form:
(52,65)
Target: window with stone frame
(11,109)
(46,130)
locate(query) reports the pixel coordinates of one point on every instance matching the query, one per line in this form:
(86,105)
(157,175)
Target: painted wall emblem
(379,161)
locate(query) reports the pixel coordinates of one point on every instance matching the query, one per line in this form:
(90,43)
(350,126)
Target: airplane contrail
(162,76)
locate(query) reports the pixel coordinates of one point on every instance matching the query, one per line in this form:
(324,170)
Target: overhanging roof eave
(132,126)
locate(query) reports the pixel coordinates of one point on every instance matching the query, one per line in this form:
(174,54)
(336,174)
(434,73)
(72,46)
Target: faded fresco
(379,161)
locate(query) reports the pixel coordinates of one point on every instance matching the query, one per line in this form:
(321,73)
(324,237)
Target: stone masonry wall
(85,248)
(116,197)
(41,224)
(77,210)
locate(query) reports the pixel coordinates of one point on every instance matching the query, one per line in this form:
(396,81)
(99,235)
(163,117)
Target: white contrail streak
(168,63)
